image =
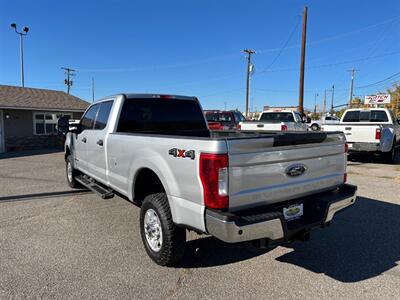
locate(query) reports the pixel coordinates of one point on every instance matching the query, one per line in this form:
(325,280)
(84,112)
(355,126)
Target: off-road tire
(173,237)
(71,179)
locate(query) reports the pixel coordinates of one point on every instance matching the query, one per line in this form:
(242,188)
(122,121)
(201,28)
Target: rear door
(81,139)
(260,170)
(96,146)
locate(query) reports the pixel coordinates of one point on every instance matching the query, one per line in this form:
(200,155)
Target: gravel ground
(59,243)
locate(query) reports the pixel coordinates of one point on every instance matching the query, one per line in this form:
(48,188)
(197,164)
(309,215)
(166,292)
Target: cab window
(103,114)
(89,117)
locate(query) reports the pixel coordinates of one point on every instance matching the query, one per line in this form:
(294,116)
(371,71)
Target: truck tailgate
(270,170)
(260,126)
(356,133)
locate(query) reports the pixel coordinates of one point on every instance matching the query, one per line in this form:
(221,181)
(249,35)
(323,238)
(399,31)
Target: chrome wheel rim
(69,172)
(153,230)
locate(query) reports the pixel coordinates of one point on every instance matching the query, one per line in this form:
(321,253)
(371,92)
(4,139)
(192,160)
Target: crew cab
(224,120)
(374,130)
(279,120)
(157,151)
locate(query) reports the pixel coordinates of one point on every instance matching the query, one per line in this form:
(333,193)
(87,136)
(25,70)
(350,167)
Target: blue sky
(193,47)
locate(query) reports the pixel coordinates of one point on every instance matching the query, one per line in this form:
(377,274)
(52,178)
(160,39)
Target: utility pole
(302,62)
(92,89)
(333,92)
(353,73)
(324,107)
(21,49)
(249,53)
(68,81)
(315,102)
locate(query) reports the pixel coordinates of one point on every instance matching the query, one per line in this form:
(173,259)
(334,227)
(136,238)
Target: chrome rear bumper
(269,222)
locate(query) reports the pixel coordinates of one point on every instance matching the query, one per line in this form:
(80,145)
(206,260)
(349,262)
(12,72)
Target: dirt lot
(58,243)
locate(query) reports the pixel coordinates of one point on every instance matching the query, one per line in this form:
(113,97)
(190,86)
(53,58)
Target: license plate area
(293,211)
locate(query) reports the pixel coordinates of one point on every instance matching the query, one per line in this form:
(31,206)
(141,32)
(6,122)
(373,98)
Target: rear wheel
(163,240)
(390,156)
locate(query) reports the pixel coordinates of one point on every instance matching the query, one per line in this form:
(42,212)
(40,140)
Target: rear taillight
(378,134)
(344,177)
(239,127)
(284,127)
(346,147)
(214,178)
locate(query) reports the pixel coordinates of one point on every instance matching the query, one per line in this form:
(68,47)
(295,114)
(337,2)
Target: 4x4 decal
(182,153)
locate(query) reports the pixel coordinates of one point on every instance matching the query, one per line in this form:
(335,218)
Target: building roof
(15,97)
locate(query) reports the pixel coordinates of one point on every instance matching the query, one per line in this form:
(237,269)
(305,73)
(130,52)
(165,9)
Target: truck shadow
(361,158)
(363,242)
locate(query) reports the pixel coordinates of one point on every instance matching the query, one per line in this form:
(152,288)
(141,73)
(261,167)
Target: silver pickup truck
(157,151)
(373,130)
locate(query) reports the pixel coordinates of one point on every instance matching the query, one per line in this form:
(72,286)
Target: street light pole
(21,49)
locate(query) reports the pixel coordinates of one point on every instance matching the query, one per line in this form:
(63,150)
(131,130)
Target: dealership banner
(377,99)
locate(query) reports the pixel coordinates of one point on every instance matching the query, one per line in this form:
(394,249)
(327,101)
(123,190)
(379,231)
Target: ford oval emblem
(295,170)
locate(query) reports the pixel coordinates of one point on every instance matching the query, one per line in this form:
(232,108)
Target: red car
(224,120)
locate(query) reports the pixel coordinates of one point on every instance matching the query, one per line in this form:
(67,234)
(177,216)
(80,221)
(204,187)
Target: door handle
(83,140)
(100,142)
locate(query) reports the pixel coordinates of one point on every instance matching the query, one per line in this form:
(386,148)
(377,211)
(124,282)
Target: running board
(92,185)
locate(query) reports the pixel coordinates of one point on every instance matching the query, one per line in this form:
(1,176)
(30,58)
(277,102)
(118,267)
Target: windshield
(277,117)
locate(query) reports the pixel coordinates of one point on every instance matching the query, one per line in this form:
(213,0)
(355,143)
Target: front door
(96,146)
(81,140)
(2,146)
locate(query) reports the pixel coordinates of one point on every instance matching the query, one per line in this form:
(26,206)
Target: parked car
(224,120)
(374,130)
(316,125)
(279,120)
(158,152)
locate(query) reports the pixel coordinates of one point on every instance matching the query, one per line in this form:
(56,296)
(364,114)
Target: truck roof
(278,111)
(367,108)
(165,96)
(149,96)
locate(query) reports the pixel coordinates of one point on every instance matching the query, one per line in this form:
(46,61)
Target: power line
(334,64)
(285,44)
(378,82)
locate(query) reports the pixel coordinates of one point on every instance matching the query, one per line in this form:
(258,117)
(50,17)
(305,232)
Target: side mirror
(63,124)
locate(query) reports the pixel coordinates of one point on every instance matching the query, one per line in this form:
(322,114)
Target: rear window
(277,117)
(219,117)
(163,116)
(366,116)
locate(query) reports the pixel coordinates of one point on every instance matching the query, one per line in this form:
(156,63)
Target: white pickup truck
(157,151)
(276,120)
(369,130)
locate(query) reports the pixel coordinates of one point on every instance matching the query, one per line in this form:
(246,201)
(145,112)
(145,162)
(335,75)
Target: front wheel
(71,173)
(163,240)
(315,127)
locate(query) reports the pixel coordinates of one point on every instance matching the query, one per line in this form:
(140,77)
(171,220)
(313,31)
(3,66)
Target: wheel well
(146,183)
